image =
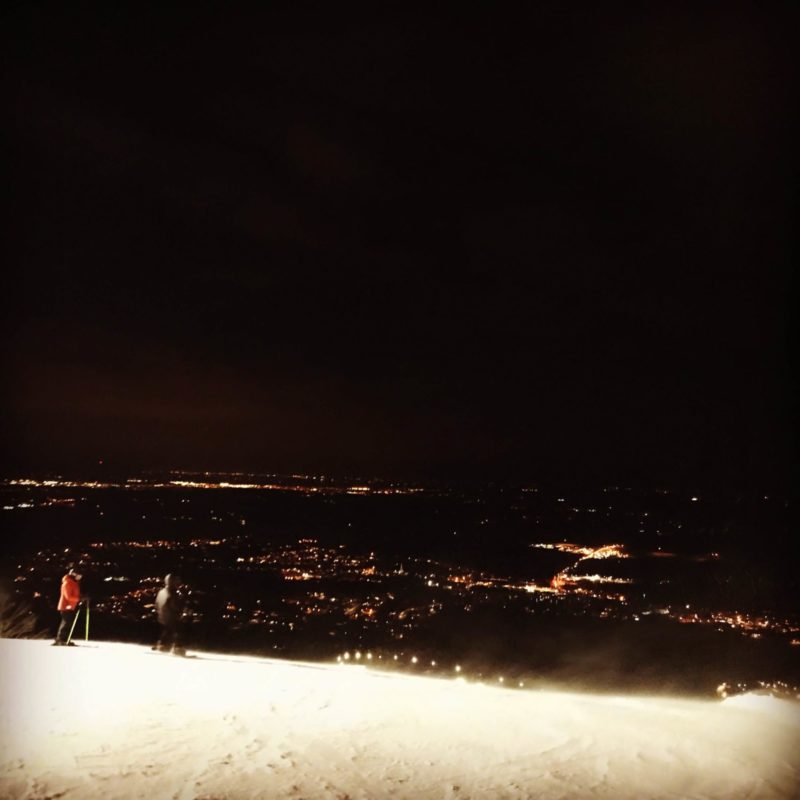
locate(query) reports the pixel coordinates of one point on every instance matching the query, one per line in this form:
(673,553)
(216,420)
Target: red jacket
(70,594)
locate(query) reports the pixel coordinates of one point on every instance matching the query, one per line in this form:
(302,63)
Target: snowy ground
(118,721)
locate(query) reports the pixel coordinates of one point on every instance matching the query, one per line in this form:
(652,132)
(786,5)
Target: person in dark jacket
(169,608)
(68,603)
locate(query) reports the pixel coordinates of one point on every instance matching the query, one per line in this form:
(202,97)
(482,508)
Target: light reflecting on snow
(118,720)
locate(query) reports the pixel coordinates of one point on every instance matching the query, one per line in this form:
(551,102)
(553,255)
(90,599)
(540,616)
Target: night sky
(552,246)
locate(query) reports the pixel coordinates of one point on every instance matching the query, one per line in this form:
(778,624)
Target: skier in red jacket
(68,605)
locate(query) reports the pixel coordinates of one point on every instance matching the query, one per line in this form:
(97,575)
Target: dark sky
(474,245)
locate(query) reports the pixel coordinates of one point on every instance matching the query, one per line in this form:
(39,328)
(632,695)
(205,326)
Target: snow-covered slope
(118,721)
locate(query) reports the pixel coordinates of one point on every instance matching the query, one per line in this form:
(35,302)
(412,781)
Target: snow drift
(119,721)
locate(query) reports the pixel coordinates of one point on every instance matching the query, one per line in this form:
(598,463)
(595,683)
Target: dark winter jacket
(169,606)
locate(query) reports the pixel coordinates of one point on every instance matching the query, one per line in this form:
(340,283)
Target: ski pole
(77,614)
(86,636)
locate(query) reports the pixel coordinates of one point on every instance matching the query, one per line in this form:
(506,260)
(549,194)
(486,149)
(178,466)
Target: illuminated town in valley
(494,583)
(399,405)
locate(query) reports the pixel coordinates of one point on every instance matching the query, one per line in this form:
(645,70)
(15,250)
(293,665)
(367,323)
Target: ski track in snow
(117,721)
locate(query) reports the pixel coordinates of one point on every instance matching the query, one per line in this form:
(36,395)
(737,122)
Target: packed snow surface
(119,721)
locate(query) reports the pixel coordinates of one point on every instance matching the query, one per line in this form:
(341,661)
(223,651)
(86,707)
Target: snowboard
(179,654)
